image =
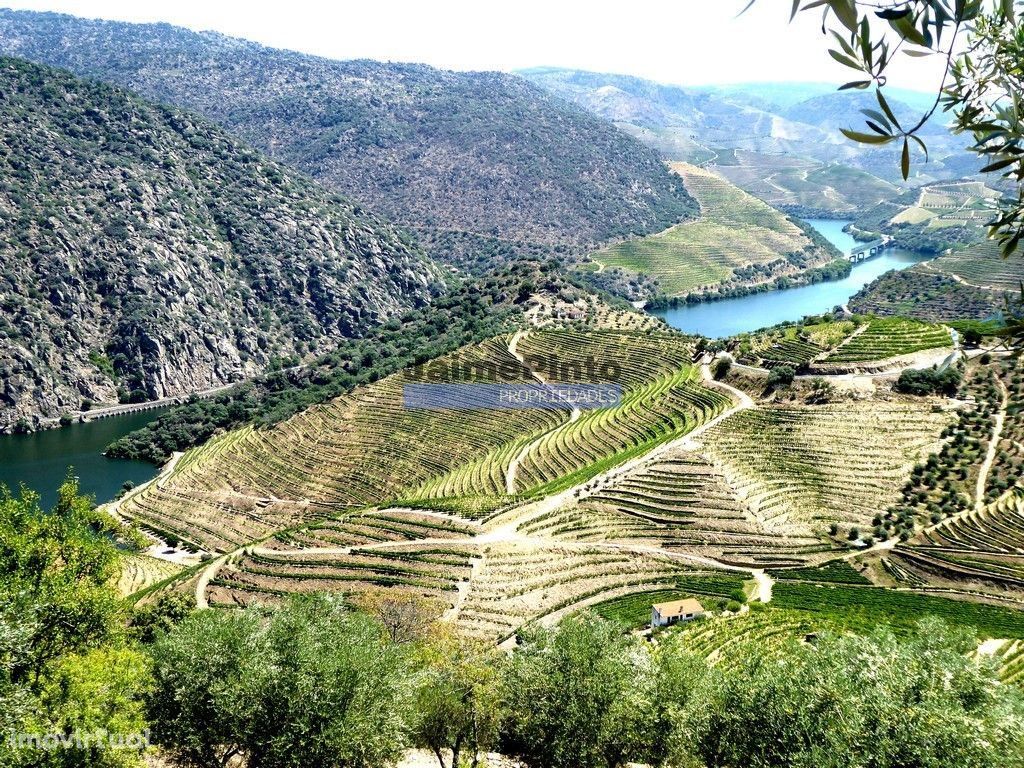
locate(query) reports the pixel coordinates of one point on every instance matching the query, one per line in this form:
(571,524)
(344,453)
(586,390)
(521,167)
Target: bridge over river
(864,251)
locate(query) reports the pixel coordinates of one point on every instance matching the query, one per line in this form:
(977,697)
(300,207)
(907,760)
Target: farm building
(664,614)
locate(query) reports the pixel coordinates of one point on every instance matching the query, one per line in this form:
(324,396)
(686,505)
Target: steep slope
(145,253)
(737,241)
(934,217)
(448,153)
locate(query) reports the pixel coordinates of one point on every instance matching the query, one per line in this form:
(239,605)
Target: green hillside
(442,152)
(734,230)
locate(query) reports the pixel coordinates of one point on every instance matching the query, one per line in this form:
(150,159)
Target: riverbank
(42,460)
(727,317)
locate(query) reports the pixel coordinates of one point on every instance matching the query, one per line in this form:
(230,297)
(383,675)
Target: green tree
(308,685)
(564,695)
(458,697)
(211,678)
(67,668)
(873,700)
(59,570)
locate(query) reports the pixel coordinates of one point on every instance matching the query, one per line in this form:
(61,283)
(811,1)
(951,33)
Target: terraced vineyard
(366,448)
(979,552)
(783,180)
(375,527)
(679,502)
(982,265)
(886,338)
(662,398)
(800,469)
(355,451)
(514,584)
(796,345)
(140,571)
(1010,658)
(735,230)
(723,639)
(426,570)
(860,609)
(970,497)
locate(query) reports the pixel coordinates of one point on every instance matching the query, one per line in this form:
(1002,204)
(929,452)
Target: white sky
(687,42)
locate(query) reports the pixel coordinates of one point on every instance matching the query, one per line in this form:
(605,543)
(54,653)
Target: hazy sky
(674,41)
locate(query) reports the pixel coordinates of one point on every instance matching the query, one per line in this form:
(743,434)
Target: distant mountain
(145,252)
(698,124)
(835,110)
(778,97)
(467,159)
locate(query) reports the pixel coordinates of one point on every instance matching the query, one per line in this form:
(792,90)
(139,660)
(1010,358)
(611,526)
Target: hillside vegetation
(146,253)
(801,185)
(735,232)
(934,217)
(485,154)
(973,283)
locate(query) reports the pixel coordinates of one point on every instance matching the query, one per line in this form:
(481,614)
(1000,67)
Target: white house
(664,614)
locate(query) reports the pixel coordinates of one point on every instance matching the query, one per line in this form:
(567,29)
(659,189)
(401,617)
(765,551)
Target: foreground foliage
(66,665)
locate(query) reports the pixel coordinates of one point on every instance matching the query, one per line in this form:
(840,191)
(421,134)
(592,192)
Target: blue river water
(41,460)
(717,319)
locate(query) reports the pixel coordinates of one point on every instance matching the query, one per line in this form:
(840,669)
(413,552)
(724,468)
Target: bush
(929,381)
(782,376)
(722,367)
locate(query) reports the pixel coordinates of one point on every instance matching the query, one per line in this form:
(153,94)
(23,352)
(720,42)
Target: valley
(363,413)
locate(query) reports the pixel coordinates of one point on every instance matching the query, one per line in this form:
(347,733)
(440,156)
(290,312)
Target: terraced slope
(432,571)
(926,292)
(139,571)
(680,502)
(792,182)
(885,338)
(795,346)
(516,583)
(734,230)
(366,448)
(970,499)
(931,218)
(800,469)
(352,452)
(983,266)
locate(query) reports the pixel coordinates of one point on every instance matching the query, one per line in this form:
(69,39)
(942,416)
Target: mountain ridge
(485,153)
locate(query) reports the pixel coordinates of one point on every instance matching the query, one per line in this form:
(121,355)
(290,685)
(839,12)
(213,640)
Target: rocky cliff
(145,252)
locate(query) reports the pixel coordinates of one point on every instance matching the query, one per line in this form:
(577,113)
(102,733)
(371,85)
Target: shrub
(929,381)
(722,367)
(782,376)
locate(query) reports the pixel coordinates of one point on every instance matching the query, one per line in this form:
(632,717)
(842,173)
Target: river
(717,319)
(41,460)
